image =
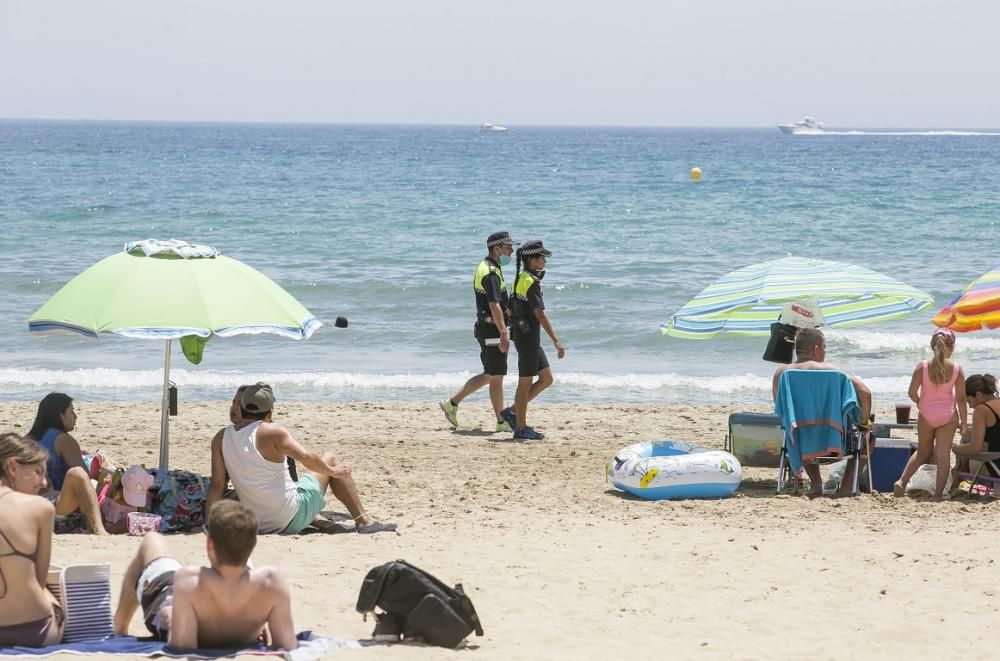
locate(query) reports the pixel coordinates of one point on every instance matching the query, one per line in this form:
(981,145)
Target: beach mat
(311,646)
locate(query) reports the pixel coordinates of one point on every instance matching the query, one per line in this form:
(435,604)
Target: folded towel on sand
(311,646)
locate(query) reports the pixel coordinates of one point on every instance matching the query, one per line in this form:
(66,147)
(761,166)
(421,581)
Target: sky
(741,63)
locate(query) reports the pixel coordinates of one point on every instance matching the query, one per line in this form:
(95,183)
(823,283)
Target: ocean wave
(870,342)
(317,382)
(323,385)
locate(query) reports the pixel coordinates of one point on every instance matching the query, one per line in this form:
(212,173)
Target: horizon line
(472,124)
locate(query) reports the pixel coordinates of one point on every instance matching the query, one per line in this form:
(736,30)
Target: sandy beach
(561,566)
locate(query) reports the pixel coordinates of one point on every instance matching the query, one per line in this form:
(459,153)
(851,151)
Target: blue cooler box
(888,461)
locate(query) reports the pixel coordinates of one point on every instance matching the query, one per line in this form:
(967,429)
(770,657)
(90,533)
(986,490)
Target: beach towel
(814,406)
(311,646)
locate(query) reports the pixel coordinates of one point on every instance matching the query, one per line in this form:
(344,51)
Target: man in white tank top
(253,452)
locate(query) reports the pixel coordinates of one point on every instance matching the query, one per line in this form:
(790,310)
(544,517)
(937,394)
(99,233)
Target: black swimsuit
(992,437)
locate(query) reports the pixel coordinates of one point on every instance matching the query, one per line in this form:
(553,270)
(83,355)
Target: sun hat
(498,238)
(135,483)
(534,248)
(258,398)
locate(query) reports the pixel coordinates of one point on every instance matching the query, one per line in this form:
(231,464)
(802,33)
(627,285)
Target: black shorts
(530,356)
(494,361)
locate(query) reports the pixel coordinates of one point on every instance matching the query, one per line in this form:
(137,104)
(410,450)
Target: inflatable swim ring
(658,470)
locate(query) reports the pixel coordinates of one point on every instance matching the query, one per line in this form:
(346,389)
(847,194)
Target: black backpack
(440,615)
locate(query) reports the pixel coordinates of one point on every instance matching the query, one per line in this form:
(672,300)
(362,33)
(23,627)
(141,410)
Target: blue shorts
(311,502)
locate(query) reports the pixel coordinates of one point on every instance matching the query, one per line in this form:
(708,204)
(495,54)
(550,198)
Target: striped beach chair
(84,591)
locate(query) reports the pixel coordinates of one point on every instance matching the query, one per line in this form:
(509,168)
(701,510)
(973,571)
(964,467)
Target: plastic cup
(903,413)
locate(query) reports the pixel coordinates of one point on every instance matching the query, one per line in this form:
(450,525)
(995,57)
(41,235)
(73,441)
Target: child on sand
(933,389)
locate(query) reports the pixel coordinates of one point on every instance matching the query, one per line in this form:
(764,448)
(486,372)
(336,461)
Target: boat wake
(911,133)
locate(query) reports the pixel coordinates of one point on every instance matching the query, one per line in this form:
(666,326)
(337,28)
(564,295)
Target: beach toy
(658,470)
(140,523)
(695,173)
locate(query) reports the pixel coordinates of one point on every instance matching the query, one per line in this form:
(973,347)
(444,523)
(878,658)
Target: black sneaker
(509,417)
(528,434)
(388,628)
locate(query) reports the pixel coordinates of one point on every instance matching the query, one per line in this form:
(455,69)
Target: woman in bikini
(933,389)
(29,615)
(71,489)
(981,392)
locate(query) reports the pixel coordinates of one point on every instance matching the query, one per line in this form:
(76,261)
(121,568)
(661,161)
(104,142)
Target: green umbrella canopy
(176,291)
(166,290)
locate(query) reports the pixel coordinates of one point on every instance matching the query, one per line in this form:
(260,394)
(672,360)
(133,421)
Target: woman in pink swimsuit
(932,389)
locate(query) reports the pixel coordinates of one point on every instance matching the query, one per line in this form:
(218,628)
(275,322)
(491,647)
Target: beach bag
(426,607)
(178,496)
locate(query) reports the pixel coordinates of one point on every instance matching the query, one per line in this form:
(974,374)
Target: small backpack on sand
(416,604)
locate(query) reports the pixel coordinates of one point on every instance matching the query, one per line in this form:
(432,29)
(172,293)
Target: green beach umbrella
(747,301)
(167,290)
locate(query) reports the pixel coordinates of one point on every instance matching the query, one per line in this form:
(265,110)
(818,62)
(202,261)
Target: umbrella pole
(165,410)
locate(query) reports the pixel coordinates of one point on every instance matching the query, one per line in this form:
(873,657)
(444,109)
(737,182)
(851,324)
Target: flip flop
(376,526)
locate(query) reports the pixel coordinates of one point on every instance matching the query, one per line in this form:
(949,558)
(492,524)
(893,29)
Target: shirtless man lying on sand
(225,606)
(810,354)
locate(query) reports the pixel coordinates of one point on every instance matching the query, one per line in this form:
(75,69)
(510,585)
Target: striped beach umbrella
(747,301)
(172,290)
(977,307)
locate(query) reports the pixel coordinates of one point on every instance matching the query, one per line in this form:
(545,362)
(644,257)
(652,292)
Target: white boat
(807,125)
(492,128)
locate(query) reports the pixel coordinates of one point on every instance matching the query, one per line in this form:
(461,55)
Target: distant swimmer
(490,330)
(527,320)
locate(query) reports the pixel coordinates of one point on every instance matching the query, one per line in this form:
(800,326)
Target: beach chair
(986,460)
(818,408)
(84,592)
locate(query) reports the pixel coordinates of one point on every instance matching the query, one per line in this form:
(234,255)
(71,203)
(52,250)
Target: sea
(384,225)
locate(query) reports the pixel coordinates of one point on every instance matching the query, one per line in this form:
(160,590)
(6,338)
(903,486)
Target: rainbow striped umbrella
(977,307)
(747,301)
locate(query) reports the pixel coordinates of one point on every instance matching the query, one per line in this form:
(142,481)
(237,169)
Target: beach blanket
(311,646)
(814,406)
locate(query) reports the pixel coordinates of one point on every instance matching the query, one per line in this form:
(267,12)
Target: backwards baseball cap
(135,483)
(534,248)
(258,398)
(498,238)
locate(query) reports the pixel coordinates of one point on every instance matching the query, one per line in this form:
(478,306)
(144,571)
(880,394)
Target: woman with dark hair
(29,615)
(71,489)
(981,393)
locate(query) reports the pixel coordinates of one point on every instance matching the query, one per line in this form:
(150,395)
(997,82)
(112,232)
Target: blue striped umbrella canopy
(747,301)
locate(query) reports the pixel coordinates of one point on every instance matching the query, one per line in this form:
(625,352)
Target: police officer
(490,330)
(528,322)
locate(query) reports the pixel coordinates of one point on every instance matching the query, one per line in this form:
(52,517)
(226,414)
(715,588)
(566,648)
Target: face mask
(540,273)
(503,260)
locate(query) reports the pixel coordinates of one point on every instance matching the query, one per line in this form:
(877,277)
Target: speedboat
(492,128)
(807,125)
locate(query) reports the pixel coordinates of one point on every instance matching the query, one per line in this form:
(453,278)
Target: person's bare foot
(898,489)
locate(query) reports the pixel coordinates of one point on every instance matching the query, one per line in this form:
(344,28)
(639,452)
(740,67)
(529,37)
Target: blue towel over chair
(815,406)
